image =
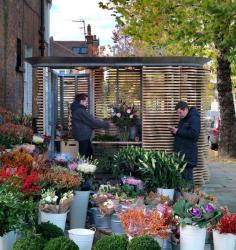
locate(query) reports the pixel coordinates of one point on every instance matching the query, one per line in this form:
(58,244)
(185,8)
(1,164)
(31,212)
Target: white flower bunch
(67,195)
(48,197)
(86,168)
(37,139)
(109,203)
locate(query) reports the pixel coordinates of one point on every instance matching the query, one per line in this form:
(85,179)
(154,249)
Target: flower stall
(151,85)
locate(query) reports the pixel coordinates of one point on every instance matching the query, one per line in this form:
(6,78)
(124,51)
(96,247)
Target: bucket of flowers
(194,216)
(104,202)
(124,117)
(84,168)
(54,208)
(142,221)
(224,234)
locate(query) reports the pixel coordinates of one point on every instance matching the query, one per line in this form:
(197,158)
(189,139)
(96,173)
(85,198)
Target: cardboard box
(71,147)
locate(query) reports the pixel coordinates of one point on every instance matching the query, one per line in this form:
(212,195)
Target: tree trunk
(227,145)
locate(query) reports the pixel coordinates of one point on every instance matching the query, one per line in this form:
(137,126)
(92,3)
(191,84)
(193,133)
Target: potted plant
(143,243)
(162,170)
(111,242)
(224,235)
(49,231)
(127,161)
(15,213)
(61,243)
(30,242)
(84,168)
(193,219)
(53,208)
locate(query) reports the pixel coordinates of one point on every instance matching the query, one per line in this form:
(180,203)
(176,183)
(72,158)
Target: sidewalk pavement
(222,183)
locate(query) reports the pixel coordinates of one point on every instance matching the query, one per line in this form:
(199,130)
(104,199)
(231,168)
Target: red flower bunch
(227,224)
(28,180)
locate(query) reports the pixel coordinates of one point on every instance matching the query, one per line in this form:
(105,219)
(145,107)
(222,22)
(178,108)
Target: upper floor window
(80,50)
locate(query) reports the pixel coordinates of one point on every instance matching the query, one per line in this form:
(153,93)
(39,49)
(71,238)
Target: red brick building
(24,32)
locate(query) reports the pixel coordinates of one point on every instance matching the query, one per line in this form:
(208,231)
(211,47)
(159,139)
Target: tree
(189,27)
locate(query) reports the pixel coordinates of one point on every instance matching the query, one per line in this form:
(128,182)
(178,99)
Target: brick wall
(18,19)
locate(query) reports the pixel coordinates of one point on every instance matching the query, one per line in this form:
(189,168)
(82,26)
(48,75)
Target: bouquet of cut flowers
(50,202)
(41,142)
(139,221)
(227,224)
(123,115)
(60,178)
(106,202)
(85,168)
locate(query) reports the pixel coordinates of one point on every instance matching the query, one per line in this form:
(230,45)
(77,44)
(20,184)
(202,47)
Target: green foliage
(112,242)
(29,243)
(162,169)
(8,141)
(127,161)
(15,213)
(197,215)
(49,231)
(188,25)
(61,243)
(143,243)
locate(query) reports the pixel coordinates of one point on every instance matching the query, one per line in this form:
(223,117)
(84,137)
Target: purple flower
(73,166)
(209,208)
(195,212)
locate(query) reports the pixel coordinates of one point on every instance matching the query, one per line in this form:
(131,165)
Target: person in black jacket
(186,136)
(83,124)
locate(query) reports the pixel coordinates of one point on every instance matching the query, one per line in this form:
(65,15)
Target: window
(19,67)
(80,50)
(28,83)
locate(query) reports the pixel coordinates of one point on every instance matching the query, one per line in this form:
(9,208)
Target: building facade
(24,32)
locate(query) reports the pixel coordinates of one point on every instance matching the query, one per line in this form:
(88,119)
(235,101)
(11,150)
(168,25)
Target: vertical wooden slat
(162,88)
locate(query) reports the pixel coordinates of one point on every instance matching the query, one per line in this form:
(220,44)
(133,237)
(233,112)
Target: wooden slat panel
(40,100)
(162,88)
(71,85)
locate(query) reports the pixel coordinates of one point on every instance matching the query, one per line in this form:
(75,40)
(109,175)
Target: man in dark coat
(83,124)
(186,136)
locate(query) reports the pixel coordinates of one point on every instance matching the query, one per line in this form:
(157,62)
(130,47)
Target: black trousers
(188,175)
(85,148)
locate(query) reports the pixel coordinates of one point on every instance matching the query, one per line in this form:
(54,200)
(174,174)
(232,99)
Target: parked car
(213,135)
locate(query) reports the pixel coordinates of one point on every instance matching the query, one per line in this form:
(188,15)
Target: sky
(63,12)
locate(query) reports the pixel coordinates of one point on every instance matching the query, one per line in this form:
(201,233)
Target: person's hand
(173,130)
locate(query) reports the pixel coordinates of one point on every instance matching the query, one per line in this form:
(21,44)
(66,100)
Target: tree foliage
(189,27)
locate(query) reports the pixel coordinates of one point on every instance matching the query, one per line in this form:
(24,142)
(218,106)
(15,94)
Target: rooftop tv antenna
(81,21)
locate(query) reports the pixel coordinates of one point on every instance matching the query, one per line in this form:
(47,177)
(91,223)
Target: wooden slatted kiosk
(154,85)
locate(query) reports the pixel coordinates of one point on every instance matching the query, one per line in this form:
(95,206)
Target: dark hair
(80,97)
(181,105)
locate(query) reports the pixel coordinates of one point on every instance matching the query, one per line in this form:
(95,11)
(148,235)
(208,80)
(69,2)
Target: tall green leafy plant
(127,161)
(162,169)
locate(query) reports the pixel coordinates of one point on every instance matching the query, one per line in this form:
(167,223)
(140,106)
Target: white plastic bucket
(78,210)
(83,238)
(8,240)
(166,192)
(192,238)
(56,219)
(223,241)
